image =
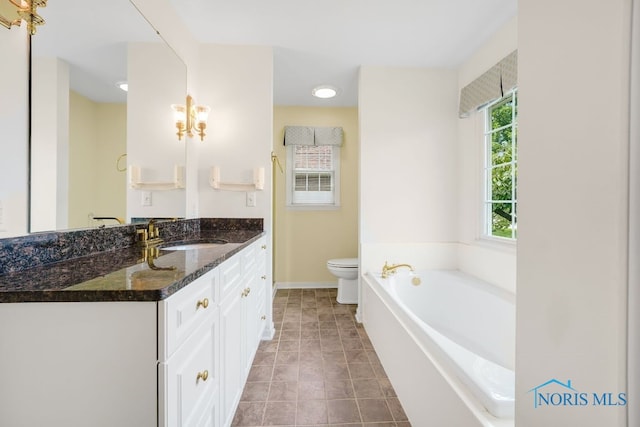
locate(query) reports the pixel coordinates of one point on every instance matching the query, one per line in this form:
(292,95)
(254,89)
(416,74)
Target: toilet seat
(343,263)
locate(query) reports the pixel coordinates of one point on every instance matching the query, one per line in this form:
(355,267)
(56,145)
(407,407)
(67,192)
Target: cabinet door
(231,334)
(210,417)
(240,321)
(190,380)
(250,325)
(264,286)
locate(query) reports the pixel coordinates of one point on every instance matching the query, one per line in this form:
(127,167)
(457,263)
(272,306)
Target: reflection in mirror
(84,127)
(14,122)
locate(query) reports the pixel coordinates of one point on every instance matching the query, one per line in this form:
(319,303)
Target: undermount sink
(194,246)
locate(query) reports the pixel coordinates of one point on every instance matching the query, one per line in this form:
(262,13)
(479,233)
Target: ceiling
(314,42)
(93,41)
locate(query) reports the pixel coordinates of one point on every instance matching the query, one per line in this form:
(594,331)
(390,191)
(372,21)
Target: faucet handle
(385,270)
(142,234)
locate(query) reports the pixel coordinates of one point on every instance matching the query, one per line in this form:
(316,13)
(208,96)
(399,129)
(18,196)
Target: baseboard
(306,285)
(269,332)
(358,315)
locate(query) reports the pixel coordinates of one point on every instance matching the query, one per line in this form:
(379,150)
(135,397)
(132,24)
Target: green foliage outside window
(502,167)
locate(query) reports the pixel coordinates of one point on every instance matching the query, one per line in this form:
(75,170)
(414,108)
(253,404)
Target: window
(313,175)
(500,207)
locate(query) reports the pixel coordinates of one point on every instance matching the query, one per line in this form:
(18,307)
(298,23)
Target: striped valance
(490,86)
(305,135)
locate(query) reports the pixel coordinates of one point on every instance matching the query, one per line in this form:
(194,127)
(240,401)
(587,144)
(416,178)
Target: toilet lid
(343,262)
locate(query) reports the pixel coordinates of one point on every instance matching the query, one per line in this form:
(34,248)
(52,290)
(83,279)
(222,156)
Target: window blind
(313,174)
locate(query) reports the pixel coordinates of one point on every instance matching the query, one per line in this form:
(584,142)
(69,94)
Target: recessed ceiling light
(324,92)
(123,86)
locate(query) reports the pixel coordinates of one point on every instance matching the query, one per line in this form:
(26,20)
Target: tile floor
(319,370)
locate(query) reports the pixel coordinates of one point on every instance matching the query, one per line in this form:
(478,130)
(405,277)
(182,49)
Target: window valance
(305,135)
(491,85)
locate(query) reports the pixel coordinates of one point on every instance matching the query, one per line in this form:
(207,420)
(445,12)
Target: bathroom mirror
(80,118)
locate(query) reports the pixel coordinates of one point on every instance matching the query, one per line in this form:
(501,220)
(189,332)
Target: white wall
(491,261)
(239,89)
(237,83)
(408,167)
(573,182)
(152,143)
(175,33)
(49,144)
(14,115)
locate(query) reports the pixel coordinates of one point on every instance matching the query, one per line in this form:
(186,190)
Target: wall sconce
(13,12)
(191,117)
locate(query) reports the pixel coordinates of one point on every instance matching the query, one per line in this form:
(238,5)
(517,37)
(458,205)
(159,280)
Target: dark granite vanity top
(35,270)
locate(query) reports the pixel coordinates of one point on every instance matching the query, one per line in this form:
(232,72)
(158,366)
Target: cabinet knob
(245,292)
(204,375)
(263,277)
(263,317)
(264,246)
(204,303)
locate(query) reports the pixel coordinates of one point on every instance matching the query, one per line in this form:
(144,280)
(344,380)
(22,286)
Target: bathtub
(457,326)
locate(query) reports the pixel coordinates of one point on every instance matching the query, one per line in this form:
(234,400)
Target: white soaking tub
(464,329)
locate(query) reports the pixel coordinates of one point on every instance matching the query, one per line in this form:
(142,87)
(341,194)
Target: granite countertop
(124,274)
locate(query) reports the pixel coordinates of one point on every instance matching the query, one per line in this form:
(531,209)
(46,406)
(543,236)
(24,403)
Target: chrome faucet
(390,269)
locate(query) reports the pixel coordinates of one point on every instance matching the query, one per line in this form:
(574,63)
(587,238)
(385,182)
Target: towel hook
(121,169)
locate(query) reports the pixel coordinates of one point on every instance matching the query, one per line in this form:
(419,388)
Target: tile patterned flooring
(319,370)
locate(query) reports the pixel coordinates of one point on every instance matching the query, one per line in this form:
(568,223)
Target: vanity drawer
(183,312)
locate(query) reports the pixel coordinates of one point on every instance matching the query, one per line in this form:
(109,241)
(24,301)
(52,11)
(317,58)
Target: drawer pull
(204,375)
(204,303)
(264,246)
(245,292)
(263,317)
(263,277)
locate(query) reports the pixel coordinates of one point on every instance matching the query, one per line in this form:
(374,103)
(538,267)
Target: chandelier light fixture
(13,12)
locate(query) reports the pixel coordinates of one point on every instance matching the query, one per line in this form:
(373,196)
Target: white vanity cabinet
(242,321)
(188,368)
(178,362)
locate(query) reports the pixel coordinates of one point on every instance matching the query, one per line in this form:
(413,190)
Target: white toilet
(346,270)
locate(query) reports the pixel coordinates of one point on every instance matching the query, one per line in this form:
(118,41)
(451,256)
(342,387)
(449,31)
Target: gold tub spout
(389,269)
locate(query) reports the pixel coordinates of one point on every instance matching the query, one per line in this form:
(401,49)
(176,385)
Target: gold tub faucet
(390,269)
